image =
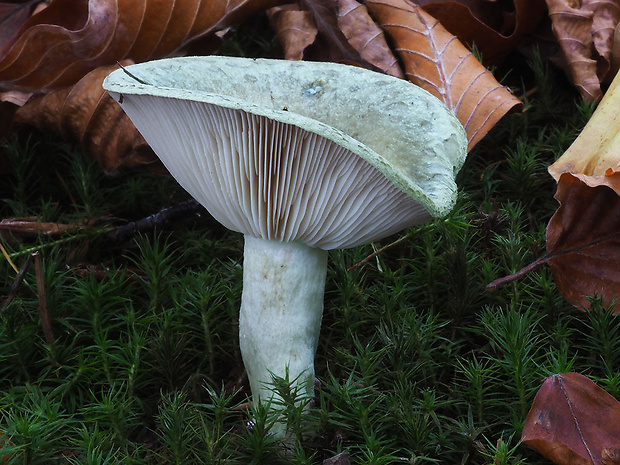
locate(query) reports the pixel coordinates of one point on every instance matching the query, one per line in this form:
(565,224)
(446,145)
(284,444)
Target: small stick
(21,274)
(161,218)
(46,321)
(377,252)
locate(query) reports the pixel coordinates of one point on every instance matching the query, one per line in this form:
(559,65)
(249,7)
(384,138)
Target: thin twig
(21,274)
(162,218)
(46,320)
(377,252)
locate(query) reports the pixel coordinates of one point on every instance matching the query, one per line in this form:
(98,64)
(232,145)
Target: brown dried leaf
(615,53)
(585,32)
(435,60)
(331,43)
(366,37)
(583,240)
(12,16)
(294,28)
(495,28)
(15,97)
(606,16)
(610,456)
(59,45)
(582,236)
(86,114)
(573,421)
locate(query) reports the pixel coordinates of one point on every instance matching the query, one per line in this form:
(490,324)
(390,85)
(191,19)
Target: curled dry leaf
(585,31)
(347,32)
(583,235)
(495,28)
(435,60)
(573,422)
(86,114)
(583,241)
(610,456)
(12,16)
(59,45)
(15,97)
(331,43)
(605,19)
(366,37)
(597,149)
(294,28)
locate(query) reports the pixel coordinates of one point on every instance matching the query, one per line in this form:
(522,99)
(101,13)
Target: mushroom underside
(273,180)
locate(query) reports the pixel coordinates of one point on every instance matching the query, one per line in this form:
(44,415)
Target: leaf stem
(519,274)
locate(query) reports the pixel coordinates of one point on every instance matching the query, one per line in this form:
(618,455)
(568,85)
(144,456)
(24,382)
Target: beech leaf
(573,421)
(59,45)
(294,29)
(582,236)
(495,28)
(585,31)
(86,114)
(366,37)
(606,16)
(12,16)
(333,44)
(597,149)
(583,241)
(435,60)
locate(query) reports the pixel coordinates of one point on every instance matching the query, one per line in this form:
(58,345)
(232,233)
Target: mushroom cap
(328,154)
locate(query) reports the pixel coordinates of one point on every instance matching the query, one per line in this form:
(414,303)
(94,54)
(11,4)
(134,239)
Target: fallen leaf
(606,16)
(610,456)
(585,31)
(331,43)
(86,114)
(15,97)
(583,241)
(495,28)
(12,16)
(294,29)
(347,34)
(582,236)
(615,54)
(58,46)
(366,37)
(435,60)
(598,146)
(572,421)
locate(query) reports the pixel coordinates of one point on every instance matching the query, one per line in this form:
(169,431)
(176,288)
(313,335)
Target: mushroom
(300,157)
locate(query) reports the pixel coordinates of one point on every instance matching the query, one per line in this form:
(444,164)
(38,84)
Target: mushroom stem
(281,311)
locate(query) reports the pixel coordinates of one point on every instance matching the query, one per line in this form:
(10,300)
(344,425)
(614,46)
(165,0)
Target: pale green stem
(281,311)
